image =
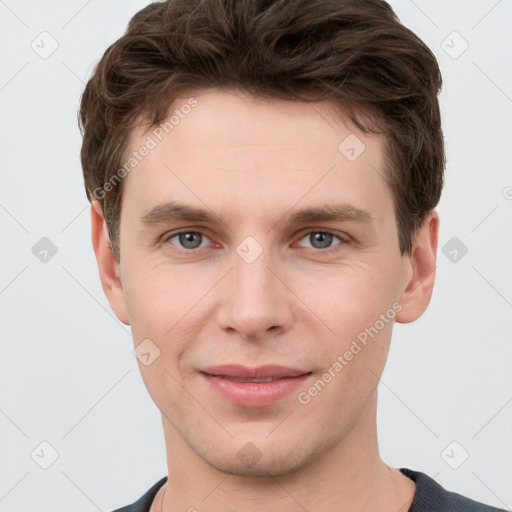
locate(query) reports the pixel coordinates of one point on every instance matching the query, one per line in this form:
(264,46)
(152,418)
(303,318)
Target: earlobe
(418,285)
(108,267)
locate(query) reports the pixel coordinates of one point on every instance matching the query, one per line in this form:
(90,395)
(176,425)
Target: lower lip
(255,394)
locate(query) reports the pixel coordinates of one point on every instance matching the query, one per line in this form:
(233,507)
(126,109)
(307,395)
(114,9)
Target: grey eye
(320,239)
(188,239)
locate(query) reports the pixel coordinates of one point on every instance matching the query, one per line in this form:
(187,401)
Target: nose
(255,302)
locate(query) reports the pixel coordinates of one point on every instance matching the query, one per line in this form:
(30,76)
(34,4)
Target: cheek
(351,299)
(354,357)
(155,296)
(164,305)
(159,311)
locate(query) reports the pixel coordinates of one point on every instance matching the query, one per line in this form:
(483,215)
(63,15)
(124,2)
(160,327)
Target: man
(263,178)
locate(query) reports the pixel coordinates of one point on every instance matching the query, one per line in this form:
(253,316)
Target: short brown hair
(355,53)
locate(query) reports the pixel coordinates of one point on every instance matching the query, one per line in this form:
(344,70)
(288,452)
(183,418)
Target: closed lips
(237,379)
(266,373)
(254,387)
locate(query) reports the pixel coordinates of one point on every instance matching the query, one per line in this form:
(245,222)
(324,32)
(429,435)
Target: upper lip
(258,372)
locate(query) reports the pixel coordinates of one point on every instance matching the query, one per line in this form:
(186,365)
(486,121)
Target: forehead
(211,115)
(226,147)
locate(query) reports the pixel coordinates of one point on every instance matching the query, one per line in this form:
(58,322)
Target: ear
(420,271)
(107,265)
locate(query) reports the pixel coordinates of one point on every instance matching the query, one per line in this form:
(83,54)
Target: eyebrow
(173,211)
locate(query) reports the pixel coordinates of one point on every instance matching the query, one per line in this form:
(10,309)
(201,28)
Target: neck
(350,475)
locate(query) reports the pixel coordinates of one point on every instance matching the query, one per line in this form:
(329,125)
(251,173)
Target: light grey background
(67,370)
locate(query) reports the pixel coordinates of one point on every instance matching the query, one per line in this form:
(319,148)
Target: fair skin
(253,162)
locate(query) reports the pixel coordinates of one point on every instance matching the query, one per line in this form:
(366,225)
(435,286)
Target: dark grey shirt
(429,497)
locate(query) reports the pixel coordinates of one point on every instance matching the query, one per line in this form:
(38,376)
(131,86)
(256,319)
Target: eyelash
(343,241)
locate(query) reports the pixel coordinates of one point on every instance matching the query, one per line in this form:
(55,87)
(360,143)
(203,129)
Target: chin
(260,458)
(276,466)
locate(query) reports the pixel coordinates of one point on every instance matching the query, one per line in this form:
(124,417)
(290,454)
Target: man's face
(254,287)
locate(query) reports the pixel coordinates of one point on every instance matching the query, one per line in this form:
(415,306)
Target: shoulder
(432,497)
(143,504)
